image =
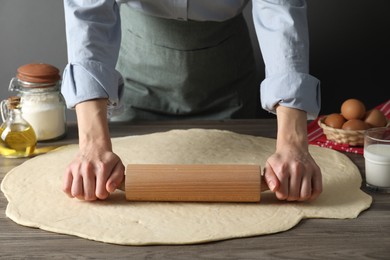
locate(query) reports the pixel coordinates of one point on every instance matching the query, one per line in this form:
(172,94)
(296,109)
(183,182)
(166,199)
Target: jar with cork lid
(42,104)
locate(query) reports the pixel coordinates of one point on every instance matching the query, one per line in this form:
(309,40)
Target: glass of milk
(377,158)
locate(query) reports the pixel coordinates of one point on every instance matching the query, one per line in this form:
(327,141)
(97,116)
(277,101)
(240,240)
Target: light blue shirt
(94,34)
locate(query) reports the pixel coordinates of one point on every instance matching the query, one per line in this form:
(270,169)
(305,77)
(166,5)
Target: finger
(284,183)
(88,180)
(306,189)
(67,182)
(316,186)
(101,180)
(282,192)
(295,185)
(280,179)
(89,184)
(270,178)
(77,187)
(116,177)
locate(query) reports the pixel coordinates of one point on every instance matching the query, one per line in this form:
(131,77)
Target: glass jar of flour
(42,104)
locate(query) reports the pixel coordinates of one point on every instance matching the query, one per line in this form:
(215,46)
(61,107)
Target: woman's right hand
(93,174)
(96,170)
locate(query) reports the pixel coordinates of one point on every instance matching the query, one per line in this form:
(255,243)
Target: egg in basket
(349,126)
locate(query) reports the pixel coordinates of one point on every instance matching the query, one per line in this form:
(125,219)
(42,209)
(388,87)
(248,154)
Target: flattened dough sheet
(35,199)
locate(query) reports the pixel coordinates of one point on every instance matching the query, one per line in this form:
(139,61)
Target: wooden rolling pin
(193,182)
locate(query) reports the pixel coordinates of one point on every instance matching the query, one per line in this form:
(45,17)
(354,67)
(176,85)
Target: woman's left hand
(293,175)
(291,171)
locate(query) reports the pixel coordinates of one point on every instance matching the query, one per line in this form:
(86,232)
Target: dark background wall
(350,50)
(350,46)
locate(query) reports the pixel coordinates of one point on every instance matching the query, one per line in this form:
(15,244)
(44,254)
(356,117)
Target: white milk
(377,160)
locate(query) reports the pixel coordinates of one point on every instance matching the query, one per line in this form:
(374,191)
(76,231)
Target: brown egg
(335,120)
(375,118)
(353,109)
(355,124)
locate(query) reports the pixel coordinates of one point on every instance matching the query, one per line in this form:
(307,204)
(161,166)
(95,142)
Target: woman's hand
(291,171)
(93,174)
(96,170)
(293,175)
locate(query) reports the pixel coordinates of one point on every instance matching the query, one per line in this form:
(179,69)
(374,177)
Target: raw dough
(33,190)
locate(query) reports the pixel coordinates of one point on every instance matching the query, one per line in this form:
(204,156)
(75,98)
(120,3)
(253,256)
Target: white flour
(45,114)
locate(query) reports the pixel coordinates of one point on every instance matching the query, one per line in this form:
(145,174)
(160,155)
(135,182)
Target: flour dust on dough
(35,199)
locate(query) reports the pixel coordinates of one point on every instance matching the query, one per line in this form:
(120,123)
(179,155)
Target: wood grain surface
(366,237)
(193,182)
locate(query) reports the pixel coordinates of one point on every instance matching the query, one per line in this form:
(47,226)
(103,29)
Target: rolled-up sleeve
(282,31)
(93,37)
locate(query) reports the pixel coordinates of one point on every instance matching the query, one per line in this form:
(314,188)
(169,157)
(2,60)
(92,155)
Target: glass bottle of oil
(17,137)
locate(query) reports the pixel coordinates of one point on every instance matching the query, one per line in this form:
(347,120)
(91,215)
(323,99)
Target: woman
(188,59)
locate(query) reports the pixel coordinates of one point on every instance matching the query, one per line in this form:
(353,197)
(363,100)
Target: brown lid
(38,73)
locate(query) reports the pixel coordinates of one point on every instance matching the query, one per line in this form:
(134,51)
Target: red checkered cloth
(316,135)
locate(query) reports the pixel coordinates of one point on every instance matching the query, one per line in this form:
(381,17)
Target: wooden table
(366,237)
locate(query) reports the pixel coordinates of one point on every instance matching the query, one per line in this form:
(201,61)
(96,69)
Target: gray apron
(186,69)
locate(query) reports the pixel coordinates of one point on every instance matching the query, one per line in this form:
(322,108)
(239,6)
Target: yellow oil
(17,140)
